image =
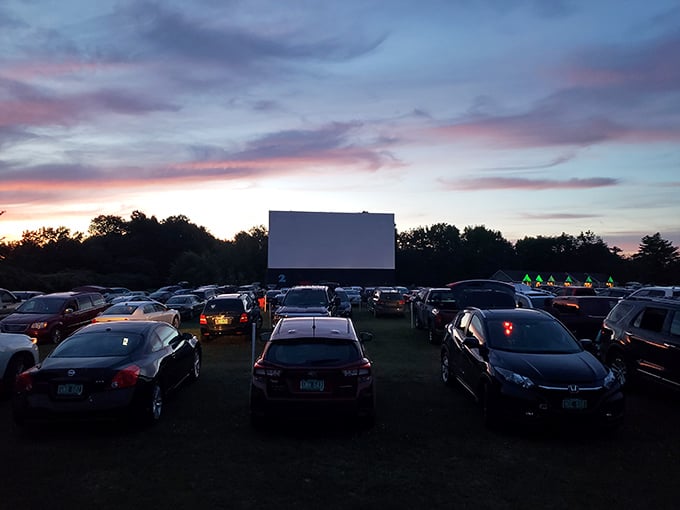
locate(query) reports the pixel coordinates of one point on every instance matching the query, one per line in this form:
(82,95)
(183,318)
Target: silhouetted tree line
(145,253)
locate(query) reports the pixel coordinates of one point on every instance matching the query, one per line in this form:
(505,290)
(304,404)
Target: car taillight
(402,302)
(202,319)
(244,317)
(261,372)
(362,372)
(24,381)
(126,377)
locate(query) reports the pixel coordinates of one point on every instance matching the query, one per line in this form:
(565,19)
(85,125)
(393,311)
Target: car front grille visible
(14,328)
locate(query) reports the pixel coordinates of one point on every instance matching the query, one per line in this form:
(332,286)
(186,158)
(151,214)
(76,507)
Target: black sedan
(109,370)
(524,365)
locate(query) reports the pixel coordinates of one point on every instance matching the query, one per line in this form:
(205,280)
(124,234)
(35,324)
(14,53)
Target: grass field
(427,450)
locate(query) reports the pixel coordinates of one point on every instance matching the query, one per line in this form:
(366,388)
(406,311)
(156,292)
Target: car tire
(153,406)
(16,365)
(617,362)
(56,336)
(431,335)
(490,412)
(175,322)
(446,375)
(195,367)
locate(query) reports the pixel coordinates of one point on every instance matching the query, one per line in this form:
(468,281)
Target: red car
(313,367)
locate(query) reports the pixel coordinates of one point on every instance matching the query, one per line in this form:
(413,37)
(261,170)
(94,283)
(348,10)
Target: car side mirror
(471,342)
(68,310)
(365,336)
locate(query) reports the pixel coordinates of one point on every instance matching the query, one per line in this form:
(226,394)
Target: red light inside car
(507,328)
(244,317)
(126,377)
(202,319)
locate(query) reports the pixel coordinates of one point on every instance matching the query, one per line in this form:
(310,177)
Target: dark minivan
(52,317)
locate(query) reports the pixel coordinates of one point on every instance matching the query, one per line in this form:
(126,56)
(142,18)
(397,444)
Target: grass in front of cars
(427,450)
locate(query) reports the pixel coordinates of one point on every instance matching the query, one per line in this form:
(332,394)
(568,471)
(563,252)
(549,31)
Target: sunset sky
(530,117)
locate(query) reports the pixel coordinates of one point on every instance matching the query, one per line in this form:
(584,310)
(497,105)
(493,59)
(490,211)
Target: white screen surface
(322,240)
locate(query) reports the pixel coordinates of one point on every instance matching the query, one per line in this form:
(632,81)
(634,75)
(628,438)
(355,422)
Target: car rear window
(120,309)
(392,296)
(313,351)
(101,344)
(224,305)
(306,297)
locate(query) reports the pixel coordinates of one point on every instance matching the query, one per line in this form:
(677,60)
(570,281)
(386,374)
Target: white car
(139,311)
(17,353)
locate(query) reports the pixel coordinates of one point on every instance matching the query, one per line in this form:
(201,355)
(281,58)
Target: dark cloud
(514,183)
(171,32)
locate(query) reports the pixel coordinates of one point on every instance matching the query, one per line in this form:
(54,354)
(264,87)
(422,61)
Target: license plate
(574,404)
(311,385)
(223,320)
(70,390)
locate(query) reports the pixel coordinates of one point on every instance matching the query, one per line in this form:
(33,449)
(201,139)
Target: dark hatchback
(313,367)
(229,314)
(387,302)
(523,365)
(106,370)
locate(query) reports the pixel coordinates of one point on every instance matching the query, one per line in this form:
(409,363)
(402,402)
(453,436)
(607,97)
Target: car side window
(155,342)
(72,304)
(150,308)
(476,329)
(84,302)
(167,335)
(675,324)
(651,319)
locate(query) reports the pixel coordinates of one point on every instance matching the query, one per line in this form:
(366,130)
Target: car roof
(514,313)
(310,327)
(138,327)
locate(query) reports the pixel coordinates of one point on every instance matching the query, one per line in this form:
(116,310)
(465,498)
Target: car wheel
(15,366)
(617,362)
(447,377)
(153,408)
(431,335)
(175,322)
(195,367)
(489,407)
(56,336)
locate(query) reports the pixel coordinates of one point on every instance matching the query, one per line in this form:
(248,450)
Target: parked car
(17,353)
(438,306)
(354,295)
(25,295)
(386,302)
(188,305)
(109,370)
(229,314)
(619,292)
(313,367)
(641,338)
(139,311)
(8,302)
(344,307)
(582,315)
(534,299)
(575,290)
(656,291)
(307,301)
(204,293)
(132,297)
(52,317)
(114,292)
(523,365)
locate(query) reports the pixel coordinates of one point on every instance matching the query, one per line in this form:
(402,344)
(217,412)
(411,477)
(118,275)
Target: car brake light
(363,372)
(244,317)
(24,381)
(202,319)
(126,377)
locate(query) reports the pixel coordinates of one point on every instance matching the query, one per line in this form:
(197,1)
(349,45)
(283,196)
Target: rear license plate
(311,385)
(70,390)
(574,404)
(223,320)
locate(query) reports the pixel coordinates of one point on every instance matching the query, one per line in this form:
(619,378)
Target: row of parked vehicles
(518,362)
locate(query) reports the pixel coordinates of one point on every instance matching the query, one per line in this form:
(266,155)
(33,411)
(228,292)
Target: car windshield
(306,297)
(41,305)
(120,309)
(312,351)
(100,344)
(531,336)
